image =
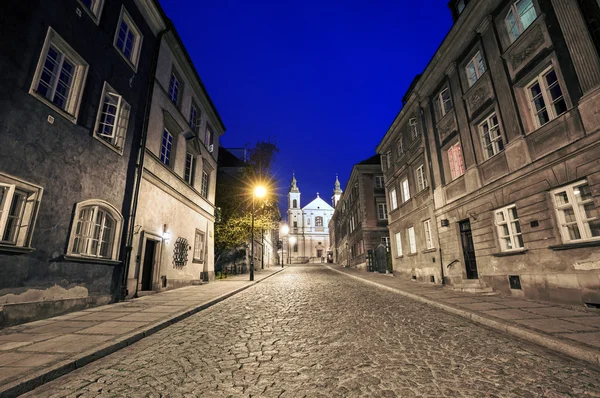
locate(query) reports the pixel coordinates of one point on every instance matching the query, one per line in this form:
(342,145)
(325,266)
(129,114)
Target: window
(128,39)
(190,168)
(491,140)
(19,201)
(428,238)
(209,138)
(295,224)
(400,147)
(411,240)
(93,8)
(204,188)
(475,68)
(96,230)
(405,190)
(414,128)
(295,248)
(295,204)
(174,89)
(578,217)
(199,246)
(421,178)
(382,211)
(60,76)
(509,229)
(444,101)
(379,182)
(455,159)
(195,119)
(546,99)
(384,163)
(460,6)
(318,221)
(112,119)
(308,221)
(393,199)
(389,159)
(165,148)
(398,244)
(519,17)
(386,242)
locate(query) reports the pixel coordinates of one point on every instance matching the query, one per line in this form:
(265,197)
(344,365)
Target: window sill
(15,249)
(412,254)
(94,260)
(196,261)
(60,111)
(127,60)
(433,249)
(113,148)
(575,245)
(510,253)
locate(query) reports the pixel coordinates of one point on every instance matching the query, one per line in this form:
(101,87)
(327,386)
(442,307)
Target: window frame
(508,221)
(496,144)
(189,172)
(405,190)
(166,158)
(393,199)
(379,184)
(121,133)
(518,20)
(389,159)
(412,241)
(421,178)
(197,247)
(382,209)
(95,12)
(30,202)
(428,235)
(476,68)
(398,240)
(441,104)
(414,128)
(137,46)
(204,187)
(548,102)
(73,103)
(454,154)
(579,214)
(196,115)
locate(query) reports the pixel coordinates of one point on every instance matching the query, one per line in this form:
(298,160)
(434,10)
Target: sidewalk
(571,331)
(37,352)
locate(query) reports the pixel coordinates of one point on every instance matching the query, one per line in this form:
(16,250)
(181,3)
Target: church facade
(308,239)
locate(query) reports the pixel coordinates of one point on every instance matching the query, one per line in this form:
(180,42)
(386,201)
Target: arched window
(295,204)
(318,221)
(96,230)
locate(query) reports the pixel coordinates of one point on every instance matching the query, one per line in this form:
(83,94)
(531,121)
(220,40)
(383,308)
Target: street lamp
(291,241)
(284,231)
(259,192)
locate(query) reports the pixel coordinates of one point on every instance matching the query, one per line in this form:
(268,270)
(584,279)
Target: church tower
(294,209)
(337,192)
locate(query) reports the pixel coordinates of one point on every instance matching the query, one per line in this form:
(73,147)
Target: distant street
(312,332)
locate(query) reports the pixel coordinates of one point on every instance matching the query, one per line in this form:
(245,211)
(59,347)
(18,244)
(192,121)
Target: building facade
(173,244)
(359,223)
(509,108)
(72,109)
(308,239)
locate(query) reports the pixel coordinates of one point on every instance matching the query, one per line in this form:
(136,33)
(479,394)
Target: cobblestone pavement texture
(311,332)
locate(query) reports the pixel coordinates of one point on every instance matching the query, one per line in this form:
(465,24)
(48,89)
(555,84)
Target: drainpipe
(140,166)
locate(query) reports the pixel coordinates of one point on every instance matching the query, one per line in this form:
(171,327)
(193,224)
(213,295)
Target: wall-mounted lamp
(166,234)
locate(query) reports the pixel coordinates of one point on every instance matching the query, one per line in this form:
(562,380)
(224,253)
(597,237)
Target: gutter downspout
(140,166)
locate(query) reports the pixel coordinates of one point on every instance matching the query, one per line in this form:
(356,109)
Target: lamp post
(284,231)
(291,241)
(259,191)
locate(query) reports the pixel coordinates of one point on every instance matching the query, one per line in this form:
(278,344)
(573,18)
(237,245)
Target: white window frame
(137,45)
(204,187)
(389,159)
(31,196)
(581,219)
(400,147)
(428,235)
(188,176)
(398,238)
(414,128)
(384,163)
(198,254)
(496,143)
(175,88)
(421,178)
(166,152)
(518,20)
(412,240)
(385,240)
(96,205)
(94,11)
(504,218)
(545,94)
(478,66)
(73,101)
(116,140)
(379,182)
(456,160)
(442,104)
(195,117)
(382,211)
(393,199)
(405,190)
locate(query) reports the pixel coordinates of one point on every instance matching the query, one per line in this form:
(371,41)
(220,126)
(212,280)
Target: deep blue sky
(324,79)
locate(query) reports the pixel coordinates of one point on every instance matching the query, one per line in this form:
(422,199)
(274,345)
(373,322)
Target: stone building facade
(509,107)
(73,100)
(360,220)
(173,244)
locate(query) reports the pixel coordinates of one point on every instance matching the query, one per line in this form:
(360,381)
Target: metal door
(466,238)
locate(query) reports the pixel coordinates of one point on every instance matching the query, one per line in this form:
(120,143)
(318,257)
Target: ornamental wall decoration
(180,252)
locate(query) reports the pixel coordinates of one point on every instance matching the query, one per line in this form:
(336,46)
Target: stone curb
(590,356)
(59,369)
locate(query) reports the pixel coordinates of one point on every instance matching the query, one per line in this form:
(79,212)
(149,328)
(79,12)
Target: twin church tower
(309,225)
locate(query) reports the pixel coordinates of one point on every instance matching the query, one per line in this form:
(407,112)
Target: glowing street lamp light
(258,192)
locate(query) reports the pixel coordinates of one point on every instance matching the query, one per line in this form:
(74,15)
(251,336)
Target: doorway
(466,238)
(148,264)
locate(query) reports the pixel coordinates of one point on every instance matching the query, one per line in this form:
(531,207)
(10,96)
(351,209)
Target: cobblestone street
(311,332)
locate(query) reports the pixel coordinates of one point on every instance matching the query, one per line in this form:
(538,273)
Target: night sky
(323,79)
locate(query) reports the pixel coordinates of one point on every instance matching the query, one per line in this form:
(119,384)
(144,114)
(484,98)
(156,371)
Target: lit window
(398,244)
(421,179)
(382,211)
(444,101)
(112,119)
(519,17)
(190,166)
(491,139)
(174,89)
(475,68)
(379,182)
(93,8)
(128,39)
(455,158)
(428,238)
(60,76)
(199,246)
(414,128)
(165,148)
(546,98)
(393,199)
(578,217)
(509,228)
(96,230)
(19,201)
(411,240)
(204,188)
(405,190)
